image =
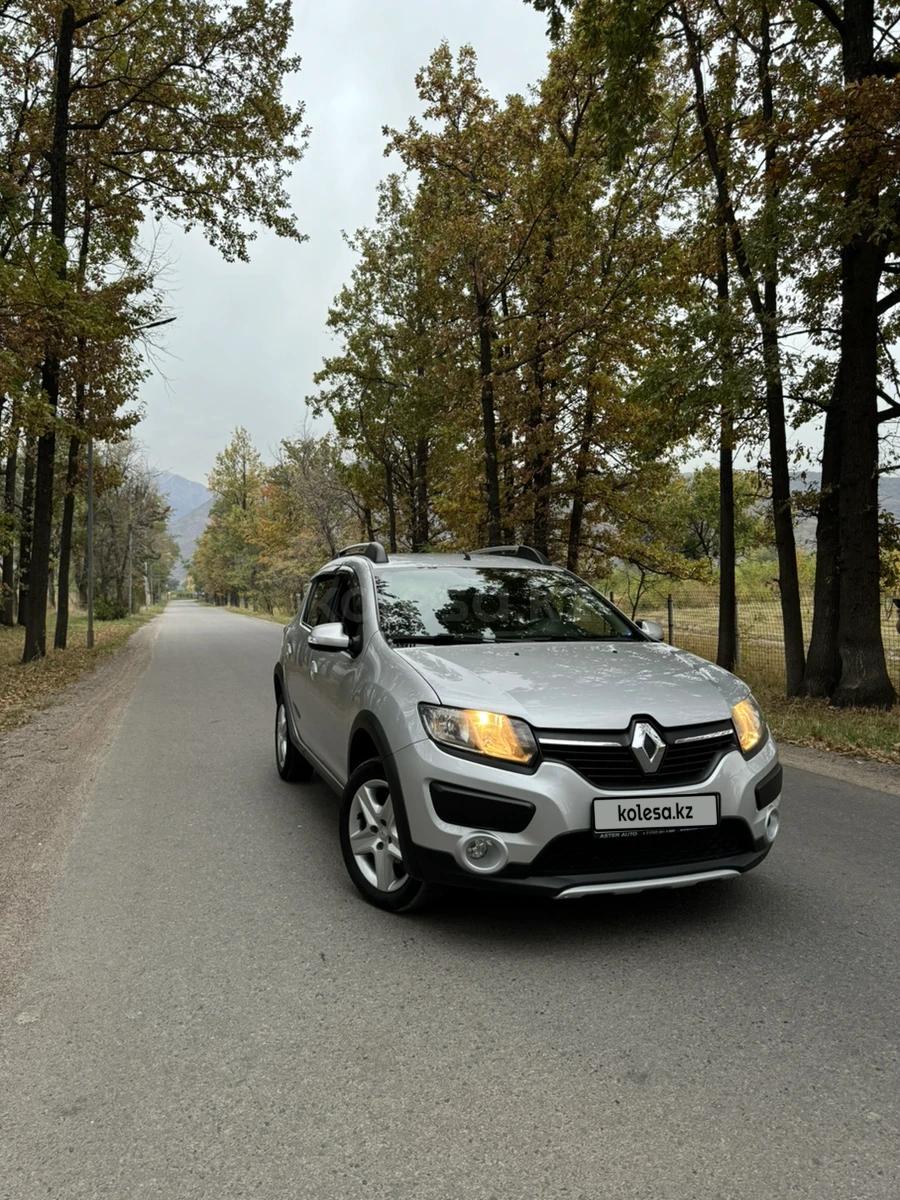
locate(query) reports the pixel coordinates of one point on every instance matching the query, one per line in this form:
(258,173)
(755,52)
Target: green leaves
(502,313)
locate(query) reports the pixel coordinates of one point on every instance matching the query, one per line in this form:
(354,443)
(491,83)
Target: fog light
(772,825)
(482,852)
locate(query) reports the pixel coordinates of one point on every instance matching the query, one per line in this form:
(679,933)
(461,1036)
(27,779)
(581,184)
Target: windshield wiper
(567,637)
(439,639)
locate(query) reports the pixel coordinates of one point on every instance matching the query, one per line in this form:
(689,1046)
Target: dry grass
(24,689)
(858,733)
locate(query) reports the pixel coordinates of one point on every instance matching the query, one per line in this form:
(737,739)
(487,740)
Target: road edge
(874,776)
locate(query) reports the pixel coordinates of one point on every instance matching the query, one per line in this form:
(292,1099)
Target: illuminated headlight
(479,732)
(748,724)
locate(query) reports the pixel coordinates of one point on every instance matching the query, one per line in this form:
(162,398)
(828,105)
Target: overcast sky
(248,337)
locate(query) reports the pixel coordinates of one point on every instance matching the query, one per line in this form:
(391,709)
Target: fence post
(670,611)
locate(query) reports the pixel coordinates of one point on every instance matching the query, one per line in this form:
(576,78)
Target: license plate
(655,812)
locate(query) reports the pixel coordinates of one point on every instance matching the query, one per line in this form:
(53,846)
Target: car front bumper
(557,853)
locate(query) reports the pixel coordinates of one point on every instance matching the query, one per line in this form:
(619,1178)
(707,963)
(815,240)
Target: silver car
(492,721)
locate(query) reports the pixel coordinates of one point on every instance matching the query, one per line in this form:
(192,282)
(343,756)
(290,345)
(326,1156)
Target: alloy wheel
(373,837)
(281,735)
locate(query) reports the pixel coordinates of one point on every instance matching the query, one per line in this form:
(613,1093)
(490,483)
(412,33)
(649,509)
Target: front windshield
(425,604)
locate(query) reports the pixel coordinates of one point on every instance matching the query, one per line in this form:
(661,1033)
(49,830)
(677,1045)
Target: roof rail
(516,552)
(373,550)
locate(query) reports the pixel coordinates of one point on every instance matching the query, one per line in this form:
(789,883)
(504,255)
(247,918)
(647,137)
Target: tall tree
(7,579)
(822,129)
(503,312)
(869,228)
(157,99)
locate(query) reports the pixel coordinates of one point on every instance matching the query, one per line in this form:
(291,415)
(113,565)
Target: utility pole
(130,569)
(90,542)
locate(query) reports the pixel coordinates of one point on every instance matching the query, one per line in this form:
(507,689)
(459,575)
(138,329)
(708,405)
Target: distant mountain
(186,530)
(190,503)
(888,495)
(183,495)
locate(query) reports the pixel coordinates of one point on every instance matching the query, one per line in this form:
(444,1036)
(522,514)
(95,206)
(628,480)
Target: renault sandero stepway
(490,720)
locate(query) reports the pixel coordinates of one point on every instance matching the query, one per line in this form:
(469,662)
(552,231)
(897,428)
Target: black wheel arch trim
(282,694)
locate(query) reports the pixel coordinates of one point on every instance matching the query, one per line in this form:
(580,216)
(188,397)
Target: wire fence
(691,622)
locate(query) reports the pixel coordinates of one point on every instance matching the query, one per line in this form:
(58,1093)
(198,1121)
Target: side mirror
(653,630)
(329,636)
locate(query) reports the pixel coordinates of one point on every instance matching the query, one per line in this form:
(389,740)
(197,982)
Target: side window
(321,606)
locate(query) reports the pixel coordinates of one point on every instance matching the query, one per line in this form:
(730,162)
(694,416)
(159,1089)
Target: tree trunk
(65,535)
(726,650)
(25,529)
(489,422)
(863,679)
(504,434)
(391,502)
(8,578)
(782,515)
(582,462)
(421,529)
(36,618)
(81,575)
(508,532)
(765,309)
(541,471)
(823,664)
(782,510)
(542,423)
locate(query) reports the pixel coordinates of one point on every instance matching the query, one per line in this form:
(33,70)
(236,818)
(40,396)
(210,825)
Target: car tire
(292,766)
(370,842)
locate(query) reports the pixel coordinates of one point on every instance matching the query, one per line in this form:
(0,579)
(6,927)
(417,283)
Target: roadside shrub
(109,610)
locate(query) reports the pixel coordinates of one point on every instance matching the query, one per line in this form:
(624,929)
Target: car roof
(459,559)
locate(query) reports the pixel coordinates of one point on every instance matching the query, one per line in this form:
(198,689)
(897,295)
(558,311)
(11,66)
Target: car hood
(579,685)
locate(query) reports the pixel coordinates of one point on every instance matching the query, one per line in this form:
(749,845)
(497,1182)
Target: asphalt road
(212,1012)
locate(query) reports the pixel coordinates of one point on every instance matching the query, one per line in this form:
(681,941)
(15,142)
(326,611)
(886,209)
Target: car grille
(585,853)
(607,760)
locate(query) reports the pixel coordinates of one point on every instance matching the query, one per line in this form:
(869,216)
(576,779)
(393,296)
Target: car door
(334,677)
(300,668)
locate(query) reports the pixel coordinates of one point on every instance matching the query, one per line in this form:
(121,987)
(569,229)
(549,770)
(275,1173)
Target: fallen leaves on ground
(27,688)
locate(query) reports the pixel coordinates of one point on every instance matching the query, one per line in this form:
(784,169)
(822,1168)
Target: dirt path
(47,768)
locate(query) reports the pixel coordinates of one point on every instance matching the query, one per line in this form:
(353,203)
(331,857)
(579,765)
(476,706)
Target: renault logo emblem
(648,747)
